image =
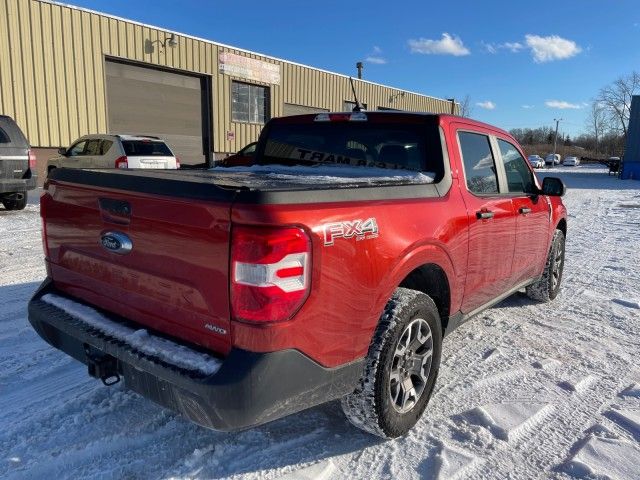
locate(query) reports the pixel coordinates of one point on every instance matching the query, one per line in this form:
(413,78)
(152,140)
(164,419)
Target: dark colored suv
(17,165)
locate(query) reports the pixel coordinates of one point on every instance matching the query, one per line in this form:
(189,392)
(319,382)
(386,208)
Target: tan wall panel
(6,84)
(47,77)
(60,79)
(15,57)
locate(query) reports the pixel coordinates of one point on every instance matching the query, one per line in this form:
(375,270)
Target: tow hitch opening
(102,366)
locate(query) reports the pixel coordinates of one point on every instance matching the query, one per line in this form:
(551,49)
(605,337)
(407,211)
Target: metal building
(67,72)
(631,160)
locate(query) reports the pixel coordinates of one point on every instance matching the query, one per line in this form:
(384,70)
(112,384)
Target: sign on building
(249,68)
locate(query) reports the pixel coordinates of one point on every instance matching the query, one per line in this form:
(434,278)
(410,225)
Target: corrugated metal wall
(52,78)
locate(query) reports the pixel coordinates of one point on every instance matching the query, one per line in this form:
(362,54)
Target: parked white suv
(115,151)
(536,161)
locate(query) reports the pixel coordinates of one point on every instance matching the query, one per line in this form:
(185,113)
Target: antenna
(358,107)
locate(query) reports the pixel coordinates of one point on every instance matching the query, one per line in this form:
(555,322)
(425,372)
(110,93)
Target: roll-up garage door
(146,101)
(292,109)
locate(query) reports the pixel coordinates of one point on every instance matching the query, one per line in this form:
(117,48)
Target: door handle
(484,214)
(524,210)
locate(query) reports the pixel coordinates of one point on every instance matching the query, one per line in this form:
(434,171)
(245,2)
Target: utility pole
(555,141)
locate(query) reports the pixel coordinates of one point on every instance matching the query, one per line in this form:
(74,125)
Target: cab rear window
(414,147)
(135,148)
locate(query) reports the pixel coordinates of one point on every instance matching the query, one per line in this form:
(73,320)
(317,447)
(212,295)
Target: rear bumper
(18,184)
(249,388)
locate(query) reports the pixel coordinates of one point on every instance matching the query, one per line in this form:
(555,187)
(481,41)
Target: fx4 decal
(360,229)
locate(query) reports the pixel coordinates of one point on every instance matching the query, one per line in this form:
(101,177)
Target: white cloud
(376,57)
(376,60)
(490,47)
(562,105)
(528,106)
(513,47)
(487,105)
(447,45)
(553,47)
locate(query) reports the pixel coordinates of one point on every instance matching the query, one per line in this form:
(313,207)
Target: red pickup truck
(330,269)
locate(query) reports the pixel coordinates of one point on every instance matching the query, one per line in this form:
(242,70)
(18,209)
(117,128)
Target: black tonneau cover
(246,187)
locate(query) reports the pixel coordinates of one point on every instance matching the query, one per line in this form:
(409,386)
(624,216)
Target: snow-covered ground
(525,390)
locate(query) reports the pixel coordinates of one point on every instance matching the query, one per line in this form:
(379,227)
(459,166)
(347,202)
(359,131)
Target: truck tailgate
(174,279)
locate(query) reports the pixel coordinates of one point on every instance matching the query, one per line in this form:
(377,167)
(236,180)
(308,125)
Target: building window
(349,106)
(249,103)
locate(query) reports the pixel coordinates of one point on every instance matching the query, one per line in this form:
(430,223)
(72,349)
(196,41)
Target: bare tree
(465,107)
(616,99)
(597,122)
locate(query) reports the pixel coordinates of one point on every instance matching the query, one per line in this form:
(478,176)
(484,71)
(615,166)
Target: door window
(77,149)
(519,177)
(479,164)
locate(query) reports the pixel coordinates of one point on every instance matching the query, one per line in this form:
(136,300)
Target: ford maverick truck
(331,268)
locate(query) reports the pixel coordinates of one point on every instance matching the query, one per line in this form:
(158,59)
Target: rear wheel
(401,367)
(16,201)
(548,287)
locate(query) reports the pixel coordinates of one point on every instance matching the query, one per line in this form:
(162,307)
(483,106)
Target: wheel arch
(562,226)
(432,280)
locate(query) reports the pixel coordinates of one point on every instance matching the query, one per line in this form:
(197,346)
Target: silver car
(115,151)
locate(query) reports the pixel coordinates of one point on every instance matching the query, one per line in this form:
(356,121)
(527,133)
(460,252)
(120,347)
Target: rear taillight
(33,161)
(270,273)
(122,162)
(177,162)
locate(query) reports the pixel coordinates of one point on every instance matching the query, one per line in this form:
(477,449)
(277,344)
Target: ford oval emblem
(116,242)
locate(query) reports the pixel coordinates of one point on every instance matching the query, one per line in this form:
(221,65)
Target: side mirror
(62,151)
(553,187)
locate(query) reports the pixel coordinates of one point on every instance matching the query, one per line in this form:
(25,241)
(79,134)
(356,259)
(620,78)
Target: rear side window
(4,138)
(11,135)
(360,144)
(519,177)
(136,148)
(105,146)
(479,164)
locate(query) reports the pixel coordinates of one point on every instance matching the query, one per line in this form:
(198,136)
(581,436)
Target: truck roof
(396,116)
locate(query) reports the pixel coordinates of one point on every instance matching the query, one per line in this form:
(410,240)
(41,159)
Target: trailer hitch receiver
(102,366)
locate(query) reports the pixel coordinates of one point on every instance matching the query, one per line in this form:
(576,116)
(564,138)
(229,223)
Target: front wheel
(401,367)
(548,286)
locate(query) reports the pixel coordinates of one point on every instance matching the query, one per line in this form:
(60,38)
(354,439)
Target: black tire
(50,169)
(15,203)
(371,406)
(548,286)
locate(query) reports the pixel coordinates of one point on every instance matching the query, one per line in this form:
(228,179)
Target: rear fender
(413,257)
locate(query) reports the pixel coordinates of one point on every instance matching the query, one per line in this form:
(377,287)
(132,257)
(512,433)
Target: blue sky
(506,55)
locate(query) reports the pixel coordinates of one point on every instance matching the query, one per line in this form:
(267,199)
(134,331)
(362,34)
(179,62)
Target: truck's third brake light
(341,117)
(270,272)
